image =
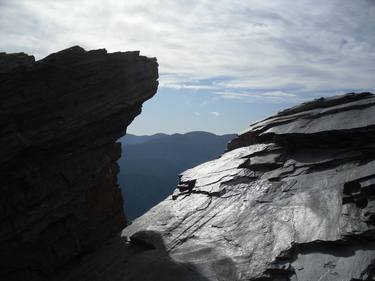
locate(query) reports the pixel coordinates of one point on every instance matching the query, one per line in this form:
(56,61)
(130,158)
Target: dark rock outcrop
(292,199)
(60,118)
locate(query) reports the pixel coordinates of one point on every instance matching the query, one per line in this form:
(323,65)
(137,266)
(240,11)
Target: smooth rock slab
(276,210)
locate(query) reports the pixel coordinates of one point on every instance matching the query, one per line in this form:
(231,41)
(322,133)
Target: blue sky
(223,63)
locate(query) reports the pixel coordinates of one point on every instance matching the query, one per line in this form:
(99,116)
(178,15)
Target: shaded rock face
(60,119)
(292,199)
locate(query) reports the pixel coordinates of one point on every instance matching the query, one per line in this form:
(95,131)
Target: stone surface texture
(293,198)
(60,118)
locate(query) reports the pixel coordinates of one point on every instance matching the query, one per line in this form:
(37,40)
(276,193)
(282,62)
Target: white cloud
(274,97)
(187,87)
(215,113)
(196,113)
(279,94)
(292,47)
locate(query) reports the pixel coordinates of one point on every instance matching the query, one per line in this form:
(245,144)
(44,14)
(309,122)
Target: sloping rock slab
(293,199)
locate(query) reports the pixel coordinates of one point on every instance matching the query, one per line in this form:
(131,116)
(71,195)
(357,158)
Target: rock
(60,119)
(9,62)
(292,199)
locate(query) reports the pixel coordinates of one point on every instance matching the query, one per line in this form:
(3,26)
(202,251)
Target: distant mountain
(150,165)
(133,139)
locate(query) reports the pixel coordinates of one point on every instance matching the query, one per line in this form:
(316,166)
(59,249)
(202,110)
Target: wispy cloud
(279,94)
(268,49)
(274,96)
(215,113)
(187,87)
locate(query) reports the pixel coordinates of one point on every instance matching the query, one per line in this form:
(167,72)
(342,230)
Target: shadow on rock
(155,263)
(145,258)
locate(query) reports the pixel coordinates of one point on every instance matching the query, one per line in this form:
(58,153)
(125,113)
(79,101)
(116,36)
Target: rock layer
(292,199)
(60,118)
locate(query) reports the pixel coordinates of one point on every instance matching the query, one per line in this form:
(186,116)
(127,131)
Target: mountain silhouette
(150,165)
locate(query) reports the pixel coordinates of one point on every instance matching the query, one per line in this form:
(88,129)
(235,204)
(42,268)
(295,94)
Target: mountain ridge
(131,138)
(150,165)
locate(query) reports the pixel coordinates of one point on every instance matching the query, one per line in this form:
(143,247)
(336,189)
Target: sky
(223,64)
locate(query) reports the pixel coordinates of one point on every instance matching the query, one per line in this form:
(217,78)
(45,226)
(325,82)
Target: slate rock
(60,118)
(292,199)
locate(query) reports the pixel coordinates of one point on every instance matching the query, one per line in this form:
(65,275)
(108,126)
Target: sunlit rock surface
(293,199)
(60,119)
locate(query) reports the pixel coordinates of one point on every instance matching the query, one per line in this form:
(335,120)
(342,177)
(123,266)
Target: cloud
(196,113)
(215,113)
(279,94)
(273,97)
(187,87)
(299,48)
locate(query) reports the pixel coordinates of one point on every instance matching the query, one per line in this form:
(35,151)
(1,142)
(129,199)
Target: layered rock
(60,119)
(292,199)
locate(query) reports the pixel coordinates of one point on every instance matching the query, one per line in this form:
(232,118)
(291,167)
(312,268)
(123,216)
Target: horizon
(222,65)
(177,134)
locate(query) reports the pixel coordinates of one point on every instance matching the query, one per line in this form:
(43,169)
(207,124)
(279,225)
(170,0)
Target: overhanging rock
(60,118)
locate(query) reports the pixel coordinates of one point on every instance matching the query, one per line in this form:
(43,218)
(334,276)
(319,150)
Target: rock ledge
(292,199)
